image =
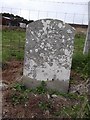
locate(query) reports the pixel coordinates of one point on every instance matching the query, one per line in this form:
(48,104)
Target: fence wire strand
(75,18)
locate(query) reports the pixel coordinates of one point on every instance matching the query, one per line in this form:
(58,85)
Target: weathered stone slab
(48,52)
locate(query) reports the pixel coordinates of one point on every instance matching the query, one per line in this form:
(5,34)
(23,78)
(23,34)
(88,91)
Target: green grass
(79,43)
(21,94)
(80,61)
(0,46)
(44,105)
(13,42)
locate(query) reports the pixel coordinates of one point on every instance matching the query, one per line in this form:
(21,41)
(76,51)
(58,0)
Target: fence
(68,12)
(13,39)
(37,14)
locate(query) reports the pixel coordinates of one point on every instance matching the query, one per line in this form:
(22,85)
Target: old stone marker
(48,54)
(87,42)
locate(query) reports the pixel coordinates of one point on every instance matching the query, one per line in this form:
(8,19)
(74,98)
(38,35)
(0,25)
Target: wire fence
(61,2)
(69,12)
(68,17)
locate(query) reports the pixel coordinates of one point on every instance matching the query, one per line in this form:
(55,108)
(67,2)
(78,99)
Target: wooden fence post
(87,42)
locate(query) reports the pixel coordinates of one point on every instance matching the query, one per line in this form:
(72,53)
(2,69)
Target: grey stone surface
(55,85)
(48,51)
(87,41)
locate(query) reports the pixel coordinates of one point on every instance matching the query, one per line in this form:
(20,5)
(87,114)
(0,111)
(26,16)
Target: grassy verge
(80,61)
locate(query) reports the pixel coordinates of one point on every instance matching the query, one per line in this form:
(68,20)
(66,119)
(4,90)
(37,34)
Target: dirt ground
(11,73)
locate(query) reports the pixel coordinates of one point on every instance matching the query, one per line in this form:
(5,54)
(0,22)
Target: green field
(80,61)
(13,44)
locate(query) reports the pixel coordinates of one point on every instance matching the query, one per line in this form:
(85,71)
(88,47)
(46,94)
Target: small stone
(3,86)
(35,95)
(48,96)
(47,112)
(32,117)
(54,96)
(25,105)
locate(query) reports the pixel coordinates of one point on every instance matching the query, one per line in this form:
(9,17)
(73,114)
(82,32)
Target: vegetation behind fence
(13,42)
